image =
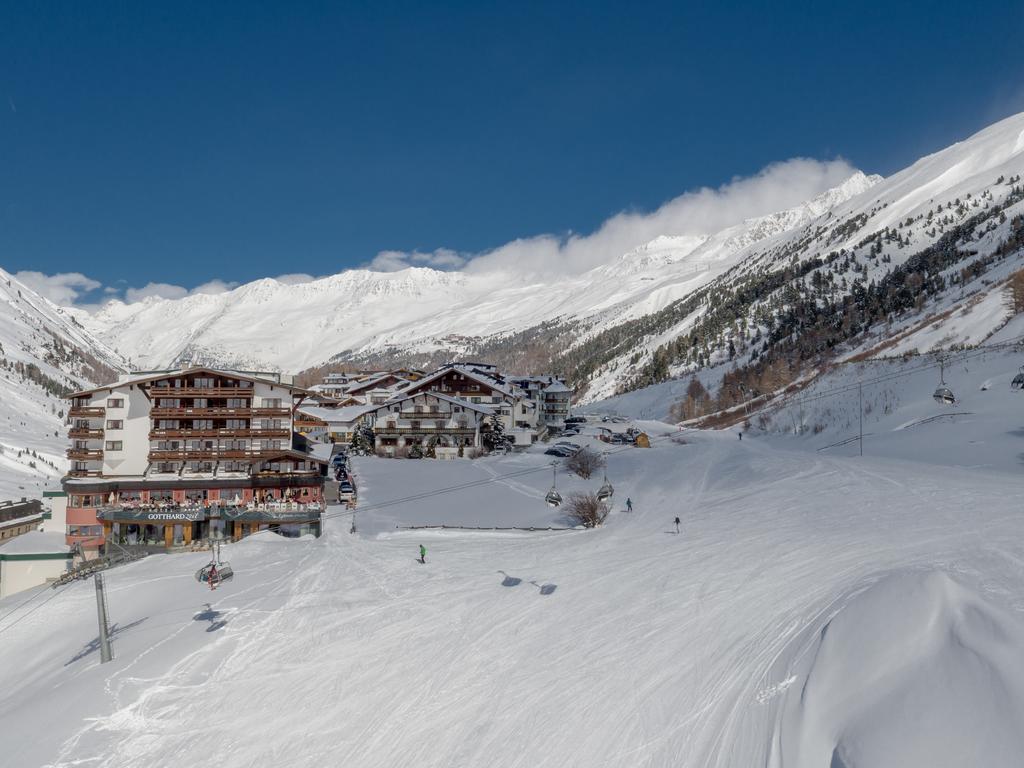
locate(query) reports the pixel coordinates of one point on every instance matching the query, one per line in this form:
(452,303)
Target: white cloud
(62,289)
(160,290)
(295,278)
(213,287)
(391,261)
(705,211)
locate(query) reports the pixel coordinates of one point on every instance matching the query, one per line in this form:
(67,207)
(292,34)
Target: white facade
(32,560)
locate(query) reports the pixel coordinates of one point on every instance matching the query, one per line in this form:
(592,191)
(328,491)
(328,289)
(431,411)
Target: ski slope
(810,600)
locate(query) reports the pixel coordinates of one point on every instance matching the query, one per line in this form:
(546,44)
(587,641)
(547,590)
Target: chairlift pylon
(943,394)
(553,498)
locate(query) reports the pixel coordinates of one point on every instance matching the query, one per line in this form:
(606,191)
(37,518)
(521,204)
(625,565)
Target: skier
(423,554)
(677,525)
(741,437)
(629,505)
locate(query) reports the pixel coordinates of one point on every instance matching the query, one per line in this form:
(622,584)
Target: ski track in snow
(653,650)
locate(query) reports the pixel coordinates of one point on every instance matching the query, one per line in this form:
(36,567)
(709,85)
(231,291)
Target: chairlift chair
(553,497)
(606,491)
(215,572)
(1018,380)
(943,394)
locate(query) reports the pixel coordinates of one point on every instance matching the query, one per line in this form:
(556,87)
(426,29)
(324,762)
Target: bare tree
(586,509)
(584,463)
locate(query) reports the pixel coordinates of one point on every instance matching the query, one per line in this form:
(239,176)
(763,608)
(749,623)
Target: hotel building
(165,458)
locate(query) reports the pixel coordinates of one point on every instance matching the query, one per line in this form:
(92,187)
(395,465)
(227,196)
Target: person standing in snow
(423,554)
(677,525)
(629,505)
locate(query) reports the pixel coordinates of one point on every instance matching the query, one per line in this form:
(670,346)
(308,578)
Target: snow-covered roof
(36,543)
(472,374)
(142,378)
(344,415)
(557,386)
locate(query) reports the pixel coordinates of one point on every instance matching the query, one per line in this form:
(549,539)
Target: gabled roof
(335,415)
(557,386)
(476,376)
(290,453)
(146,378)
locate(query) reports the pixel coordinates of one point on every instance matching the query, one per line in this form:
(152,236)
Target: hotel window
(439,424)
(200,402)
(271,402)
(270,444)
(115,424)
(168,424)
(236,402)
(115,402)
(244,384)
(168,445)
(169,402)
(202,445)
(232,466)
(201,382)
(114,445)
(271,424)
(166,494)
(236,424)
(202,423)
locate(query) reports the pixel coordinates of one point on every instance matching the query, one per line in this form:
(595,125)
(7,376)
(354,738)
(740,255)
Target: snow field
(645,649)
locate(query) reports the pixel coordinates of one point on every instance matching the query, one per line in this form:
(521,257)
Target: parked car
(576,420)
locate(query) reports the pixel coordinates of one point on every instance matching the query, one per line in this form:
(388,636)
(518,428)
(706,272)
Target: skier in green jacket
(423,554)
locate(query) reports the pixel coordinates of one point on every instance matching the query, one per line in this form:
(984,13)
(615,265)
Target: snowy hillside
(930,258)
(294,326)
(44,353)
(816,610)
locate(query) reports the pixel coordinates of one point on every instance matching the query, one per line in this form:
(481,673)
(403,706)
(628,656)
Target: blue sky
(187,143)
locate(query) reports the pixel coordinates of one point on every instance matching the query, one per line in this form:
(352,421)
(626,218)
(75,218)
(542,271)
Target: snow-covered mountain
(44,353)
(271,324)
(620,324)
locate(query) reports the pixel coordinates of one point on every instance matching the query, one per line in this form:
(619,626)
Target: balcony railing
(83,433)
(155,434)
(85,454)
(215,391)
(160,412)
(86,412)
(85,473)
(211,454)
(386,430)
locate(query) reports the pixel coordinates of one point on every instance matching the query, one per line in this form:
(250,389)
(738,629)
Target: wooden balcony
(85,454)
(157,434)
(86,412)
(213,455)
(159,412)
(200,392)
(82,433)
(85,473)
(384,431)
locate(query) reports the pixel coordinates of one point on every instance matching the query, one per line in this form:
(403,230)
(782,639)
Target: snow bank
(918,670)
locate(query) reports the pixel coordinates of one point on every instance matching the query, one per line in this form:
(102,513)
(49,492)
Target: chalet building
(480,384)
(18,517)
(436,424)
(331,425)
(551,395)
(166,458)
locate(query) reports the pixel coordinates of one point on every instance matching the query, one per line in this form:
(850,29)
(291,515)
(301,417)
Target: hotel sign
(154,515)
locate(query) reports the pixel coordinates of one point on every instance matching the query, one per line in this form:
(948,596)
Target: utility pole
(101,615)
(860,401)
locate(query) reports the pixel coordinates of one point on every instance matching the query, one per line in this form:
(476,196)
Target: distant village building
(166,458)
(551,394)
(525,406)
(437,425)
(19,517)
(31,560)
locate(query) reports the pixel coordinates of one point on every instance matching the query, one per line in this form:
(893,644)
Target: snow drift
(918,670)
